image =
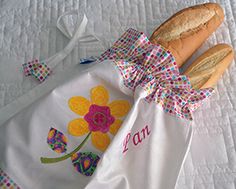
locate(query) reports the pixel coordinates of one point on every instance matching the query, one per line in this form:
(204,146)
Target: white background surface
(28,30)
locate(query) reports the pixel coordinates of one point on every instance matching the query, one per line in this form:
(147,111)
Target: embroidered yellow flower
(99,116)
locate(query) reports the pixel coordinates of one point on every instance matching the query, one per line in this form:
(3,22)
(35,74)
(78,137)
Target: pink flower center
(99,118)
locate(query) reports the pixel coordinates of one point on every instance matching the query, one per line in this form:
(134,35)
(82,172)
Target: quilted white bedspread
(28,30)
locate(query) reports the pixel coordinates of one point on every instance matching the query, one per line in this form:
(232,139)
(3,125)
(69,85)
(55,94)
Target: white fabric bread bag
(124,123)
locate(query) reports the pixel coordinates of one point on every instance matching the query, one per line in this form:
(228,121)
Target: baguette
(185,31)
(206,70)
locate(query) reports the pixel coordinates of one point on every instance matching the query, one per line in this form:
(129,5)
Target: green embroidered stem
(54,160)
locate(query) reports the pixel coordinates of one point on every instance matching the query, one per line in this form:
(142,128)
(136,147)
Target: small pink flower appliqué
(99,118)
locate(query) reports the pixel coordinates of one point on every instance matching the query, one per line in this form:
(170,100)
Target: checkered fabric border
(6,182)
(154,68)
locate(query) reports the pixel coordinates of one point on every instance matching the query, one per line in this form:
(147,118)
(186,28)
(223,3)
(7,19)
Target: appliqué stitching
(98,118)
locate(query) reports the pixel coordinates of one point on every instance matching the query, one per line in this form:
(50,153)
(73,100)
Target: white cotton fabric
(153,163)
(28,30)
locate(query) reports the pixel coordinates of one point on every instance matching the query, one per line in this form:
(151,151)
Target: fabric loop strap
(42,69)
(53,61)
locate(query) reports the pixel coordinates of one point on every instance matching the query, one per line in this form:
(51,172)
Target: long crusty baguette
(185,31)
(206,70)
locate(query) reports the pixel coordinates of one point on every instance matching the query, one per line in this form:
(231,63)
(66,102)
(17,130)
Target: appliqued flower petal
(57,141)
(99,95)
(85,162)
(100,140)
(115,126)
(79,105)
(78,127)
(119,108)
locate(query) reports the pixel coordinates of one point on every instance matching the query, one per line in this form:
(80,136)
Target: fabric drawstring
(42,69)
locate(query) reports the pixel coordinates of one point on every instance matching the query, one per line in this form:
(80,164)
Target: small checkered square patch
(30,67)
(42,72)
(37,69)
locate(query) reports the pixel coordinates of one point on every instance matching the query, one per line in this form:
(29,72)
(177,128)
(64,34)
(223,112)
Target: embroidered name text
(137,138)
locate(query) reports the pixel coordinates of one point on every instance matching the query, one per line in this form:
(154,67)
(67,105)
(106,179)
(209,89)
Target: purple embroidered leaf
(85,162)
(57,141)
